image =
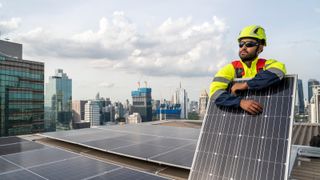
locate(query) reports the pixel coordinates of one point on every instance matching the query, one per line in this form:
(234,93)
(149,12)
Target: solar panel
(124,174)
(144,142)
(10,140)
(19,147)
(234,145)
(41,156)
(75,168)
(54,163)
(179,157)
(20,175)
(7,166)
(141,151)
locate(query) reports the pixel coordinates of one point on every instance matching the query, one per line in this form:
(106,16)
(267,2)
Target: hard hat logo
(254,31)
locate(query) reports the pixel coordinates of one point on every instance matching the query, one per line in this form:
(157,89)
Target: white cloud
(317,10)
(1,5)
(106,85)
(175,48)
(10,25)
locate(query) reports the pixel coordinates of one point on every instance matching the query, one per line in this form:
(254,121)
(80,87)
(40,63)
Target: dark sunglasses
(248,44)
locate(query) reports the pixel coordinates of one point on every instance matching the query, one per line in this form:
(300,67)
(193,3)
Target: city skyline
(119,43)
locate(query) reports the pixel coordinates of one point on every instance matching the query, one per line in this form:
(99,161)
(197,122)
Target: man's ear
(260,49)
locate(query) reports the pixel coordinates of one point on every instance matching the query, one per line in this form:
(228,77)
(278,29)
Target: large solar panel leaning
(234,145)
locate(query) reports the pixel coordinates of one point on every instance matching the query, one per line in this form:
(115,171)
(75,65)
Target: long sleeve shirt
(273,72)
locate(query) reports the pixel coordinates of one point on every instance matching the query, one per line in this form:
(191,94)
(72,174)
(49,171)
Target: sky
(109,46)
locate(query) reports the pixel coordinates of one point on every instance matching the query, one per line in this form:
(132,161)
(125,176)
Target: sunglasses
(248,44)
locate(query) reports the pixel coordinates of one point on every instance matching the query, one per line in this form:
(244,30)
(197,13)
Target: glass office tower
(21,96)
(141,103)
(58,102)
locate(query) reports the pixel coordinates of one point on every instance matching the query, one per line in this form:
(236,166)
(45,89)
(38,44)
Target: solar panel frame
(291,115)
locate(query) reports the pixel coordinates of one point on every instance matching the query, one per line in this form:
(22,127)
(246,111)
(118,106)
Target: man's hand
(238,86)
(251,106)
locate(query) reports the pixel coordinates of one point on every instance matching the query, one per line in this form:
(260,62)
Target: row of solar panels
(21,159)
(172,146)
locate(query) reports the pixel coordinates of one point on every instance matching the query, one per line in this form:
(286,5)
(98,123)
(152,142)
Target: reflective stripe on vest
(237,65)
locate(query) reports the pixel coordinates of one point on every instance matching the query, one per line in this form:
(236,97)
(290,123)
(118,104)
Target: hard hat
(253,31)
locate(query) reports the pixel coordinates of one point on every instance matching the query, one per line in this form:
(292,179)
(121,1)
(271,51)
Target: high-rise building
(21,92)
(167,110)
(203,103)
(141,103)
(78,110)
(11,49)
(300,97)
(194,106)
(58,102)
(181,97)
(311,83)
(119,110)
(92,113)
(314,106)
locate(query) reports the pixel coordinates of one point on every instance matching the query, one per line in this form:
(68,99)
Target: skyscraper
(203,102)
(311,83)
(141,103)
(21,92)
(181,97)
(300,97)
(314,106)
(58,102)
(92,113)
(78,110)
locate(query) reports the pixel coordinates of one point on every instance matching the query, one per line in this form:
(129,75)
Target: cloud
(317,10)
(106,85)
(10,25)
(1,5)
(177,47)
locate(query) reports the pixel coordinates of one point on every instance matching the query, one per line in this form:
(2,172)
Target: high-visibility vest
(238,67)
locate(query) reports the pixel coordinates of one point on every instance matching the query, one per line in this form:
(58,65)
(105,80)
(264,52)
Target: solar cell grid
(139,141)
(53,163)
(236,145)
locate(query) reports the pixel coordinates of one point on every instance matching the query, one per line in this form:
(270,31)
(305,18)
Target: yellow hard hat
(253,31)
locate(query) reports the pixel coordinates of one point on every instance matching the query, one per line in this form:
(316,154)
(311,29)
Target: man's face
(248,49)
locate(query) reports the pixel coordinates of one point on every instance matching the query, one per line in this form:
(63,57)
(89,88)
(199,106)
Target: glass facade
(21,96)
(141,103)
(58,102)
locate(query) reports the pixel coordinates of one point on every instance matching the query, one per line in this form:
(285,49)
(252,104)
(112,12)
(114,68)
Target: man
(264,73)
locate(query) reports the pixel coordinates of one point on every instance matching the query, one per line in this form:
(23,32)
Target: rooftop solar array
(234,145)
(172,146)
(44,162)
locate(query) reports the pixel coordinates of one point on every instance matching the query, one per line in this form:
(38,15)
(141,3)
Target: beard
(247,56)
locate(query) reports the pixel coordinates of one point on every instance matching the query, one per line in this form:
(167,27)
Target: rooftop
(305,159)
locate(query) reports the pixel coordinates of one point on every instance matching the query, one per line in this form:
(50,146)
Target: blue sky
(107,46)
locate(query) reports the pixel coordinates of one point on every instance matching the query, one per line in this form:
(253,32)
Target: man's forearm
(263,80)
(227,99)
